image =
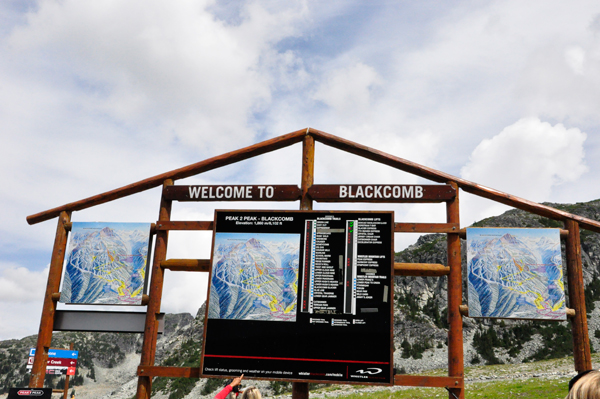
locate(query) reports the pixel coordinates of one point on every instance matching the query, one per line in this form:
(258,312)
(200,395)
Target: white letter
(260,191)
(377,191)
(418,191)
(386,192)
(350,192)
(368,191)
(204,190)
(270,192)
(407,192)
(248,191)
(228,191)
(238,192)
(194,192)
(343,191)
(396,191)
(220,195)
(359,192)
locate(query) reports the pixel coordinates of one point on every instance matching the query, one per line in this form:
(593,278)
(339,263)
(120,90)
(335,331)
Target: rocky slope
(108,362)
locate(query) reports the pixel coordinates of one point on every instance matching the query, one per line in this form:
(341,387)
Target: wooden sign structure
(306,193)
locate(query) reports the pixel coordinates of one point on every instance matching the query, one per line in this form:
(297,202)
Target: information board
(301,295)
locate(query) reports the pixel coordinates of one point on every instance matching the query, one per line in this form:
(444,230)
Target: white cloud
(575,57)
(529,159)
(172,66)
(21,298)
(18,284)
(348,89)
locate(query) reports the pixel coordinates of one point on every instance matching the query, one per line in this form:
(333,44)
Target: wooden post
(308,172)
(579,326)
(66,390)
(38,371)
(144,388)
(455,332)
(300,389)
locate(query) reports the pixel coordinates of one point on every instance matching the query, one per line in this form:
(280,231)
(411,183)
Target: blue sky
(97,95)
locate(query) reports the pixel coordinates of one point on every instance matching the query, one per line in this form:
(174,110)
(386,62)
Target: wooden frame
(446,192)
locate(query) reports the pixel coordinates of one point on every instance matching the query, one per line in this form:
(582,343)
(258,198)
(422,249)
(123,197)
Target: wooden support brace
(186,265)
(184,225)
(426,227)
(429,381)
(420,269)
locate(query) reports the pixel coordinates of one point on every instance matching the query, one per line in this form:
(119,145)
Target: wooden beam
(181,173)
(428,381)
(184,225)
(579,325)
(426,227)
(144,387)
(174,372)
(441,177)
(420,269)
(308,172)
(300,390)
(186,265)
(455,322)
(38,370)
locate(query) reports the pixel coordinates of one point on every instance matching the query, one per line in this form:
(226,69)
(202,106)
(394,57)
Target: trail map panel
(260,271)
(106,264)
(515,273)
(301,295)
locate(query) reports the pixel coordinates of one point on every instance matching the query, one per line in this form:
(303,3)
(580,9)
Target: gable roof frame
(332,141)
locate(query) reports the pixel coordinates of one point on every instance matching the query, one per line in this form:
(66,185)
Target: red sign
(62,362)
(57,366)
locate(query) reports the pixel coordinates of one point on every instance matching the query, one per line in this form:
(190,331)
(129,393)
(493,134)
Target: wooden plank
(300,389)
(428,381)
(184,225)
(455,330)
(441,177)
(186,265)
(308,172)
(420,269)
(213,193)
(579,325)
(162,371)
(382,193)
(426,227)
(144,387)
(181,173)
(38,370)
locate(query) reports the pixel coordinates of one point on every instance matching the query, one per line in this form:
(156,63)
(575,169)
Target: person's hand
(237,381)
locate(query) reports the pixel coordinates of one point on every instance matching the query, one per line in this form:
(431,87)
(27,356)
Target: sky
(98,95)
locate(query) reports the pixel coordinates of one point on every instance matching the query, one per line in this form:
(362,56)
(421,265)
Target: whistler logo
(370,370)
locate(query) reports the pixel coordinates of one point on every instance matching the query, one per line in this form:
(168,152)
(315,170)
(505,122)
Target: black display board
(38,393)
(301,295)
